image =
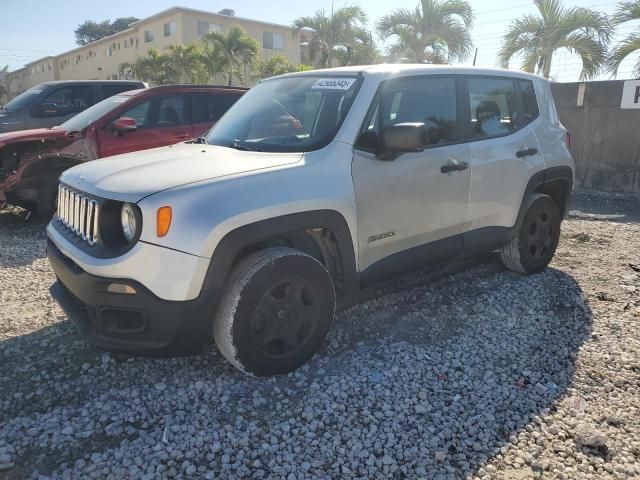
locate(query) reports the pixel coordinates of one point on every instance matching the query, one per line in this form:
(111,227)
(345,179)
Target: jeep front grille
(78,213)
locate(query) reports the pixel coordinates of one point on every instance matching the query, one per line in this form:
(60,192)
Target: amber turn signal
(163,221)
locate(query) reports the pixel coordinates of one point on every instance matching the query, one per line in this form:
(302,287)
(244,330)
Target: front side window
(69,99)
(295,114)
(493,107)
(428,100)
(140,113)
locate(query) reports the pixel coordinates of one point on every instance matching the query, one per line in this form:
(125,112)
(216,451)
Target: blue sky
(35,28)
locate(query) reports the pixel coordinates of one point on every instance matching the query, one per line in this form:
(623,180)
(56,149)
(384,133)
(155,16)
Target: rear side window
(529,101)
(209,107)
(111,90)
(171,111)
(493,107)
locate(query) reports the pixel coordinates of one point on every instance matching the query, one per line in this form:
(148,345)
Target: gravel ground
(481,373)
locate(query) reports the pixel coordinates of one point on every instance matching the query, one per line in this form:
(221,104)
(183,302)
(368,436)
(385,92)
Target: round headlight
(129,222)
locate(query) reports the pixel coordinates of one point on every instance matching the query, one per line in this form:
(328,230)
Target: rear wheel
(275,311)
(535,244)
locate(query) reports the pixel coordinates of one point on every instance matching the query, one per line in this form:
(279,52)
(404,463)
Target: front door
(410,210)
(161,120)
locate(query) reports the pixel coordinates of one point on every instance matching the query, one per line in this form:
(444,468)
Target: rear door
(504,149)
(208,107)
(161,120)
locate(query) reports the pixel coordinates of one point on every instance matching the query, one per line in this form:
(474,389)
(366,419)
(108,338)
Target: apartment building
(100,60)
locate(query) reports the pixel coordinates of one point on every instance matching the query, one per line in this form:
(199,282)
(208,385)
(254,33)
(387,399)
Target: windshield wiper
(238,146)
(288,112)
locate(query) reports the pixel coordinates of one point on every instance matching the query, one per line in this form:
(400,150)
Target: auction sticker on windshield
(333,84)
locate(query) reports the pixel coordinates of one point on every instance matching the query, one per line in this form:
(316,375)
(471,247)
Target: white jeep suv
(312,186)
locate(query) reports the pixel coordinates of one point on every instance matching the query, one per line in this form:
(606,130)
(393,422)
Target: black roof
(81,82)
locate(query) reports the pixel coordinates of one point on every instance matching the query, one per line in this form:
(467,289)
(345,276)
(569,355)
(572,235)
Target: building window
(170,28)
(206,27)
(148,36)
(273,40)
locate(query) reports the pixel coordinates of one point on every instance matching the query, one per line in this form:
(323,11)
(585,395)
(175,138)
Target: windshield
(24,99)
(91,114)
(294,114)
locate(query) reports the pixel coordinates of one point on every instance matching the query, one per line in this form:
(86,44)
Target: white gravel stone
(479,373)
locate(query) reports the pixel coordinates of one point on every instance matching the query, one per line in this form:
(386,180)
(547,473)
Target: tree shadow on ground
(435,378)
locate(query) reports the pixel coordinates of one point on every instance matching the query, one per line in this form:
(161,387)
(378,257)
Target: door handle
(454,166)
(527,152)
(181,135)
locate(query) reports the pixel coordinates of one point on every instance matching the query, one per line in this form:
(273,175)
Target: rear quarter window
(529,101)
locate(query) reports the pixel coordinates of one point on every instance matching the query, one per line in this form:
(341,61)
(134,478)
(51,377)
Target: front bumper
(139,323)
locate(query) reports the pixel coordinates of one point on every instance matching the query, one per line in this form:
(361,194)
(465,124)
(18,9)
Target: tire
(47,198)
(537,239)
(275,311)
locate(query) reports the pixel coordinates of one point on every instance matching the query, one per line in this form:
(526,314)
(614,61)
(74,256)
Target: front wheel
(275,311)
(535,243)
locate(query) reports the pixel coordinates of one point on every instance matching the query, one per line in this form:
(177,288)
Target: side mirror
(46,110)
(405,137)
(124,124)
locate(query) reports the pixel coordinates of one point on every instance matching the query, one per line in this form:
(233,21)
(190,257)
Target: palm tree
(154,67)
(435,32)
(129,70)
(362,51)
(186,62)
(626,12)
(235,45)
(248,57)
(328,32)
(582,31)
(213,60)
(276,65)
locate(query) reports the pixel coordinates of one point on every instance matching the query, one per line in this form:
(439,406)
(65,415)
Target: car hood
(134,176)
(30,135)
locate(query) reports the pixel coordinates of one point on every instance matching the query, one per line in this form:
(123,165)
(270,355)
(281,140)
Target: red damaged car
(31,160)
